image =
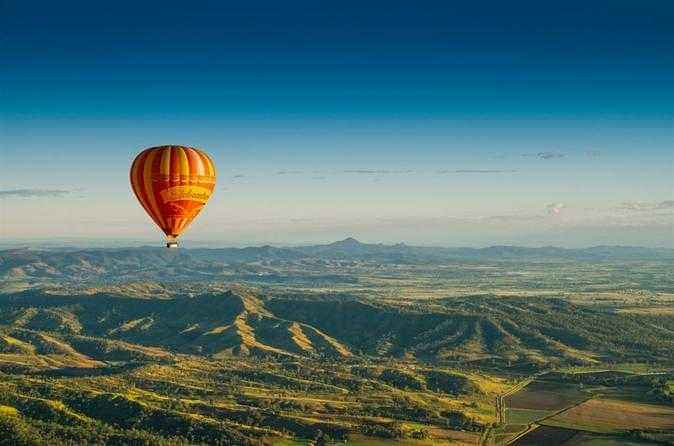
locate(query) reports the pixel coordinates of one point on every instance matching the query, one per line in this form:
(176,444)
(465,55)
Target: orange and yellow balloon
(172,183)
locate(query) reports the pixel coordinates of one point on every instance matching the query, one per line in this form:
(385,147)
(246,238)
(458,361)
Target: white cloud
(33,193)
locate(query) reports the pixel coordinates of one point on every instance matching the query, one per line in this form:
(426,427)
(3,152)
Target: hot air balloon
(172,184)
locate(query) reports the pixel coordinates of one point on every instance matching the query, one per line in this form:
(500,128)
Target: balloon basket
(171,241)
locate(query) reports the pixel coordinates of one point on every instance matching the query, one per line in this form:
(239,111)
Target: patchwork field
(525,416)
(544,396)
(546,435)
(661,310)
(610,416)
(589,439)
(590,407)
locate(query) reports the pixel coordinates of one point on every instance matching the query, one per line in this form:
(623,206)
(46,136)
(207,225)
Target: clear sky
(435,123)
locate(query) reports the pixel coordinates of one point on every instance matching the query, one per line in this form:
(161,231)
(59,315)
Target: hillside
(483,330)
(219,368)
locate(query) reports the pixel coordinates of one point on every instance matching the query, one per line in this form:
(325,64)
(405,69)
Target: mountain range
(241,321)
(148,263)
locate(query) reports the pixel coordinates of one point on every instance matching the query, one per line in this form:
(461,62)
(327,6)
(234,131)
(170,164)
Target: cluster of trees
(455,419)
(20,431)
(450,383)
(402,379)
(658,385)
(15,433)
(194,414)
(665,438)
(104,419)
(662,388)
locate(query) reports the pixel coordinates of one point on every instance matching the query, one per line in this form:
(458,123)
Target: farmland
(610,416)
(587,408)
(545,396)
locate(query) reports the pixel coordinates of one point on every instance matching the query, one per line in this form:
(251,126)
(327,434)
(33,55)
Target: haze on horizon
(527,125)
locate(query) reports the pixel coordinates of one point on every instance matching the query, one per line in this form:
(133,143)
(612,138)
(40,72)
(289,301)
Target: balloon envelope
(172,183)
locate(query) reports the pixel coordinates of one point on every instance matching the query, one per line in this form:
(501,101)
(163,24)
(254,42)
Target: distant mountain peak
(347,242)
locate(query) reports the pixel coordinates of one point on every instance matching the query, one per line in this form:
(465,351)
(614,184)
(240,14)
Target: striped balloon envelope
(172,183)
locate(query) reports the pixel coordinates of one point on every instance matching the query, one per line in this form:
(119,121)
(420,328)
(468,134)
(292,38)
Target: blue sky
(430,123)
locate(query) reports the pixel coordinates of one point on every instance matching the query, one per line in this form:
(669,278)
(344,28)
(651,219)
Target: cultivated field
(546,435)
(544,396)
(610,416)
(590,439)
(590,407)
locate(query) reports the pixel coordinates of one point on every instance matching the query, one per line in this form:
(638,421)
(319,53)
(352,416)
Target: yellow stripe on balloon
(197,166)
(165,168)
(209,164)
(184,163)
(147,180)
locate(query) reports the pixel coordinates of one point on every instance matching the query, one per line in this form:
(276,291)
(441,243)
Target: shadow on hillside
(85,372)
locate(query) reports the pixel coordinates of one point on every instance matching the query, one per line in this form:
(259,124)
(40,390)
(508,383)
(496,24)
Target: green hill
(483,330)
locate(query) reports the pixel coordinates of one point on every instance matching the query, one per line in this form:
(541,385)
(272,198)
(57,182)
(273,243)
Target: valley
(347,342)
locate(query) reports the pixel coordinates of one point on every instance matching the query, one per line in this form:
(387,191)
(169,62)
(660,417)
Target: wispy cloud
(33,193)
(636,206)
(593,153)
(550,155)
(546,155)
(523,218)
(378,171)
(646,206)
(448,171)
(322,174)
(240,175)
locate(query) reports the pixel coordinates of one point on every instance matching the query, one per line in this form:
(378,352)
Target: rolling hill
(481,330)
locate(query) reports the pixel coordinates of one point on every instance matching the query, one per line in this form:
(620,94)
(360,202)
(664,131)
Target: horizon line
(196,244)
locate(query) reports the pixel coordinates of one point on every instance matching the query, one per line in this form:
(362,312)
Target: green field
(525,416)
